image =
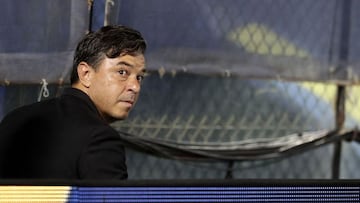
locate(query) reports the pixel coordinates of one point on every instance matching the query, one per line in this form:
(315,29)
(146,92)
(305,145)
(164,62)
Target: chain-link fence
(236,88)
(207,110)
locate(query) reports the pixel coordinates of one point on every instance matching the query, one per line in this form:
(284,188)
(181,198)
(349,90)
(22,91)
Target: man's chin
(119,117)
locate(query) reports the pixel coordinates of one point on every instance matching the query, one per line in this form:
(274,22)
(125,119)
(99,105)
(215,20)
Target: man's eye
(140,78)
(122,72)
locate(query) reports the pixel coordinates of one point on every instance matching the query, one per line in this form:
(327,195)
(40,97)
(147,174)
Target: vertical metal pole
(340,117)
(90,9)
(108,5)
(229,172)
(341,90)
(111,12)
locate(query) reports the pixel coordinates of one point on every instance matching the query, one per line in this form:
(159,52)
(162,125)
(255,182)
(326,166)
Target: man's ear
(85,73)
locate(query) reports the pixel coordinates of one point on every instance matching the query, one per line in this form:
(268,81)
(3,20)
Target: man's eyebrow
(129,65)
(125,63)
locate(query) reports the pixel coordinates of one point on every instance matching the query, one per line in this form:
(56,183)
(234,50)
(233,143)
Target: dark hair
(110,41)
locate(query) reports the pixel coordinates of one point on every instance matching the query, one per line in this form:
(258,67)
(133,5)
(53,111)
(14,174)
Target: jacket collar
(83,96)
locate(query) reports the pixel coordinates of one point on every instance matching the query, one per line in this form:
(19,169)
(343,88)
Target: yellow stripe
(34,193)
(31,200)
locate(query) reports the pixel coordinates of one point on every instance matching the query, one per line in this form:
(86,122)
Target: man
(69,137)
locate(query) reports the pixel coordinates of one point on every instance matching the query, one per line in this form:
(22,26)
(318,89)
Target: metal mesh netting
(230,110)
(205,109)
(221,73)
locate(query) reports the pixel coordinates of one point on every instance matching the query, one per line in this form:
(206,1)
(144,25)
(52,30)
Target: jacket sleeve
(12,135)
(103,157)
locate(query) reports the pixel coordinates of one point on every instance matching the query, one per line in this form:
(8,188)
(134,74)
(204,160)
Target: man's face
(115,85)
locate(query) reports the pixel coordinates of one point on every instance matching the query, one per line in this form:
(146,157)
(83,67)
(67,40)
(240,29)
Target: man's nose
(133,84)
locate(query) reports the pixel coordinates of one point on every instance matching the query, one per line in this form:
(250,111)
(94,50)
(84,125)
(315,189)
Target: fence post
(341,89)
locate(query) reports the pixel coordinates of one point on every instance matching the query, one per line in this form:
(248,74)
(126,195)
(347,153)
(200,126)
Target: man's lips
(130,102)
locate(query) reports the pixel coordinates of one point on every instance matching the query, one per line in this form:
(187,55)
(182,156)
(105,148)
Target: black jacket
(60,138)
